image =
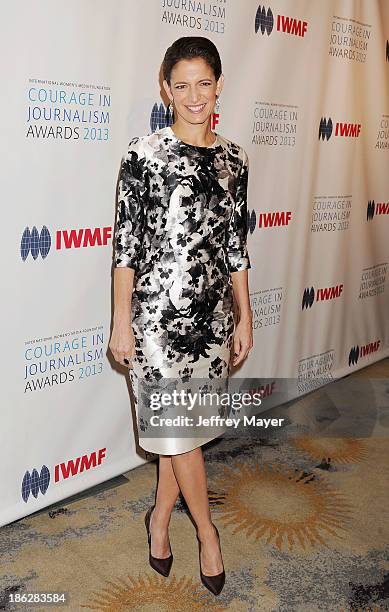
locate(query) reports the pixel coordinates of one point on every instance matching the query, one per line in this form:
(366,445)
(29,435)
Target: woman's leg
(167,493)
(190,474)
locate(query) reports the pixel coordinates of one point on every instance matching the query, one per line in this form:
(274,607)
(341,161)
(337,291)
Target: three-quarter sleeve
(130,214)
(237,252)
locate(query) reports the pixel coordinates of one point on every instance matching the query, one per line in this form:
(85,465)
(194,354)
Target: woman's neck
(198,135)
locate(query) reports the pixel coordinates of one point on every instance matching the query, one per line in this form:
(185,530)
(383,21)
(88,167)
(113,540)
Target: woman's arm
(240,287)
(127,249)
(239,264)
(122,343)
(123,282)
(243,337)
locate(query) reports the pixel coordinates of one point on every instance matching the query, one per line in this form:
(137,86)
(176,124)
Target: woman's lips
(196,109)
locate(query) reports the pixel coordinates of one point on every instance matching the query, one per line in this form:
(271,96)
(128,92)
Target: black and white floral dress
(181,224)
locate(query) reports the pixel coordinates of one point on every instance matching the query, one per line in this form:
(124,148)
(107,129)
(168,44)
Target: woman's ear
(219,85)
(167,89)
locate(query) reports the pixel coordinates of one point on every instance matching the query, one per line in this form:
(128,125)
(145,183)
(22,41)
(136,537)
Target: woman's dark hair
(188,47)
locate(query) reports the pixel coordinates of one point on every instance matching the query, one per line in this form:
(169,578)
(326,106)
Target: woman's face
(193,88)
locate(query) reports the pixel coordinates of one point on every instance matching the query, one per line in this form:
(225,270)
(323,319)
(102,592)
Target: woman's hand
(243,340)
(122,343)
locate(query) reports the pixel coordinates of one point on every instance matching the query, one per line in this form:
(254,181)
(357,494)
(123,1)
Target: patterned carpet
(303,522)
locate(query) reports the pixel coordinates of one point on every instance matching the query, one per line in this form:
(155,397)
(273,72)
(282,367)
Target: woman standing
(180,243)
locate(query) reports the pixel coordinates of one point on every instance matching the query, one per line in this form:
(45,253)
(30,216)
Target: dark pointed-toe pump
(162,566)
(214,584)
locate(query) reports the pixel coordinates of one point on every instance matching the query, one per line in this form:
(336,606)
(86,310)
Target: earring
(217,105)
(171,111)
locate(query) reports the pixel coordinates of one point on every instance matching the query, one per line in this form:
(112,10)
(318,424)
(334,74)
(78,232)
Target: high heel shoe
(162,566)
(214,584)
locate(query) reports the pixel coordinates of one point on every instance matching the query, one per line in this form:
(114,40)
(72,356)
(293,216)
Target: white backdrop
(306,94)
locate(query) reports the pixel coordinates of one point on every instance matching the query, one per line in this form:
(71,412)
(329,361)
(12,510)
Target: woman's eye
(207,84)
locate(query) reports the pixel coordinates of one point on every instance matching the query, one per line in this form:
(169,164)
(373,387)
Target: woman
(181,232)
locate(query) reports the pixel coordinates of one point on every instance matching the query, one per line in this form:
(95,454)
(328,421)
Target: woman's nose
(194,95)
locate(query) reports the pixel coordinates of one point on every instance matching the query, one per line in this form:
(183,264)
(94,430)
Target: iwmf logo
(264,21)
(160,117)
(381,208)
(345,130)
(39,243)
(278,218)
(34,482)
(322,295)
(357,352)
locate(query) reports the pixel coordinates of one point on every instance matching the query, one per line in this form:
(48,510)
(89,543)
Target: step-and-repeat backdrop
(306,94)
